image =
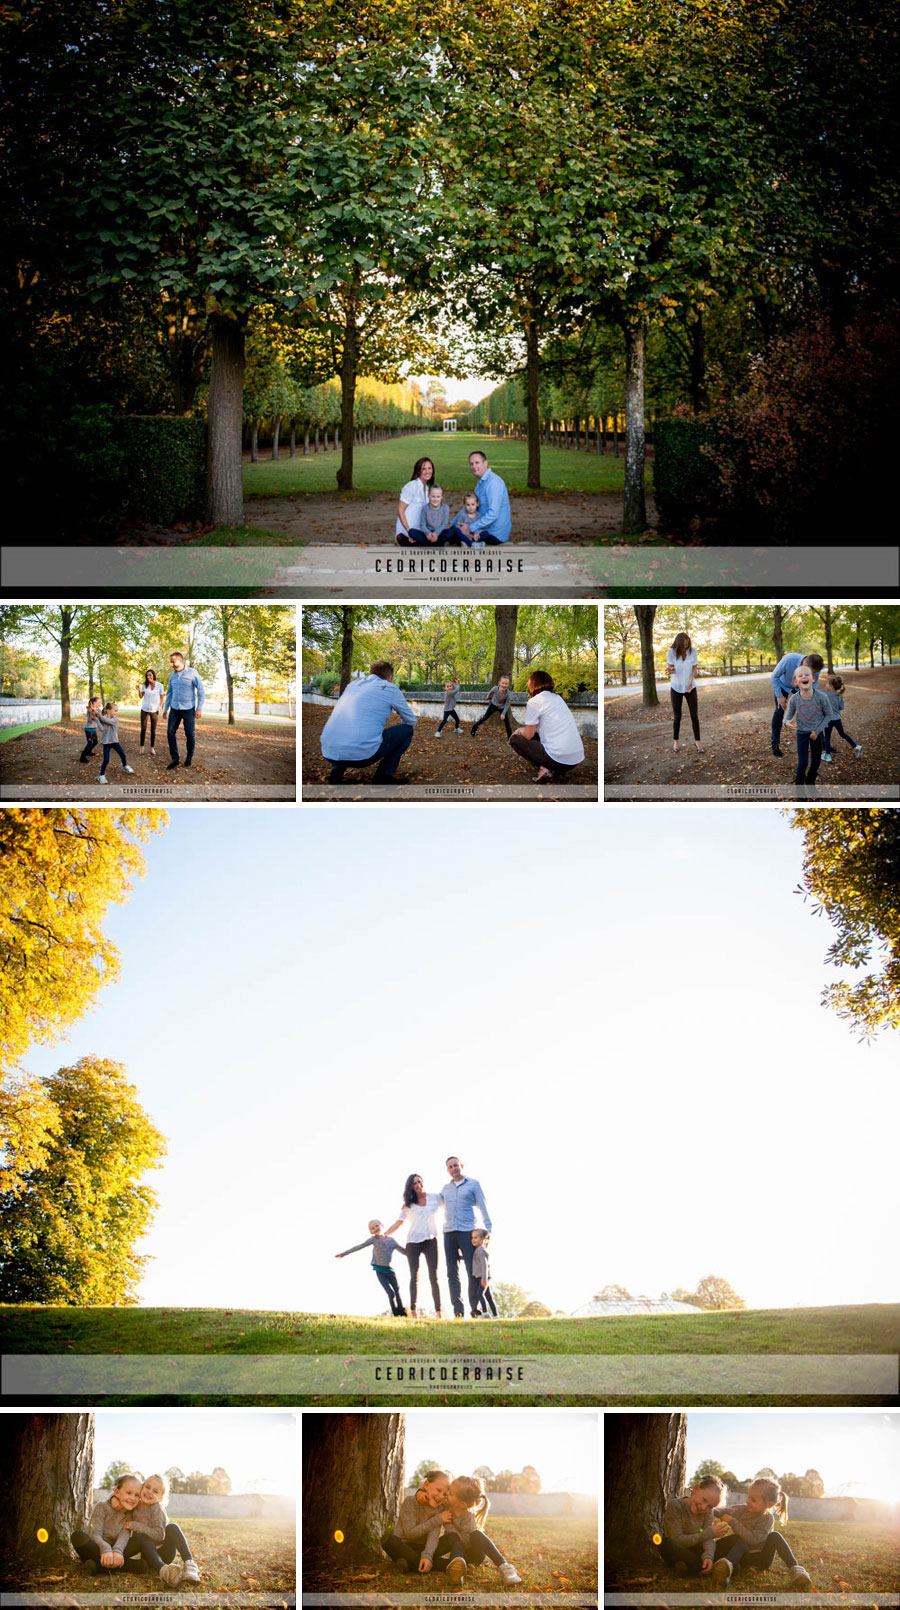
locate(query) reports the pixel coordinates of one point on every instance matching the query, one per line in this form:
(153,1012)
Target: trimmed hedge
(165,467)
(685,481)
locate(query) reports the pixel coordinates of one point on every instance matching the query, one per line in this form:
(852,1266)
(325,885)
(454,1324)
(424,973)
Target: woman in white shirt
(420,1213)
(151,701)
(410,530)
(549,737)
(681,664)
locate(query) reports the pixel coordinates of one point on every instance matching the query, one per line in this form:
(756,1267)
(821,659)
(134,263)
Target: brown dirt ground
(735,730)
(245,753)
(569,517)
(462,761)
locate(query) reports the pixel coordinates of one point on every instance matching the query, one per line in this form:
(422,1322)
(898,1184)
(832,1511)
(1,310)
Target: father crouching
(355,733)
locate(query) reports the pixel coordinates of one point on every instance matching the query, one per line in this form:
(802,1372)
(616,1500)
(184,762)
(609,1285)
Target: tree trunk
(276,436)
(254,442)
(533,381)
(645,614)
(856,649)
(306,442)
(353,1474)
(624,668)
(505,620)
(224,494)
(778,632)
(229,679)
(644,1466)
(347,617)
(293,444)
(826,616)
(634,514)
(66,617)
(47,1466)
(349,366)
(697,365)
(615,420)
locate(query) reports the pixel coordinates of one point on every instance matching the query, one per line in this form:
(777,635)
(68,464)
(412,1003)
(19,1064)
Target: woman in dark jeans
(419,1214)
(681,664)
(151,701)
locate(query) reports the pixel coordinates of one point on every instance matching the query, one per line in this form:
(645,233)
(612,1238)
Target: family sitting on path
(184,698)
(704,1536)
(423,517)
(355,734)
(424,1212)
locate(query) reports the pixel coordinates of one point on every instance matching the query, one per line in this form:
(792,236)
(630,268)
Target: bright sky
(855,1454)
(562,1447)
(611,1016)
(471,390)
(259,1451)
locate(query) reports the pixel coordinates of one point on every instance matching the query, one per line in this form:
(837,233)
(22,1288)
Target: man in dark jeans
(355,733)
(185,694)
(460,1197)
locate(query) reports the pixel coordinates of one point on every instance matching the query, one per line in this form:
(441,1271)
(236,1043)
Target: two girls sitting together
(704,1536)
(441,1528)
(131,1529)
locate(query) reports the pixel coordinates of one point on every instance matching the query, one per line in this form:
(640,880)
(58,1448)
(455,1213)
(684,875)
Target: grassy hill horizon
(843,1329)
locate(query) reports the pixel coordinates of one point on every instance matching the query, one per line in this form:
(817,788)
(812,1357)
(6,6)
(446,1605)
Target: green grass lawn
(839,1555)
(385,466)
(551,1553)
(30,726)
(872,1328)
(234,1556)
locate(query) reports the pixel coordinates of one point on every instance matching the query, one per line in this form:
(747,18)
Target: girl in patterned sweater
(465,1515)
(754,1522)
(155,1540)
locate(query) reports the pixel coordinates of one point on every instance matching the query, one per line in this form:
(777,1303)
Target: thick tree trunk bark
(349,366)
(347,618)
(47,1471)
(353,1474)
(828,644)
(644,1466)
(778,632)
(505,620)
(66,617)
(224,493)
(645,614)
(634,514)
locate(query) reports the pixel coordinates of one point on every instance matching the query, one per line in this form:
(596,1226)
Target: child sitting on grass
(481,1275)
(109,729)
(437,515)
(412,1543)
(807,715)
(468,513)
(451,689)
(92,711)
(383,1249)
(101,1544)
(465,1513)
(155,1540)
(498,702)
(754,1521)
(832,686)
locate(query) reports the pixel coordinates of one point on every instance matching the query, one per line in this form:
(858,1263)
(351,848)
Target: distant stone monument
(450,425)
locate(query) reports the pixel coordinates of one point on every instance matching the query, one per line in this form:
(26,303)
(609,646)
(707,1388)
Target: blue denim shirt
(460,1201)
(180,690)
(493,517)
(783,674)
(354,729)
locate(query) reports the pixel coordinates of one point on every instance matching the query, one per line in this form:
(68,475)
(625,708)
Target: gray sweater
(150,1520)
(383,1249)
(501,700)
(481,1265)
(109,727)
(416,1523)
(105,1527)
(450,696)
(753,1529)
(812,713)
(436,519)
(835,703)
(689,1531)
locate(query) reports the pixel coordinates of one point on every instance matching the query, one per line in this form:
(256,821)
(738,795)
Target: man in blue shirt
(460,1197)
(493,522)
(355,733)
(185,694)
(783,687)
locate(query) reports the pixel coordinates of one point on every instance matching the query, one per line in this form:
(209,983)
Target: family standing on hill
(450,1212)
(184,698)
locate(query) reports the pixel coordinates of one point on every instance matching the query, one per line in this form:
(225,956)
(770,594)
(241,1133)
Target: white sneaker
(857,750)
(456,1572)
(800,1580)
(190,1571)
(128,768)
(508,1572)
(827,758)
(170,1575)
(101,779)
(721,1573)
(439,734)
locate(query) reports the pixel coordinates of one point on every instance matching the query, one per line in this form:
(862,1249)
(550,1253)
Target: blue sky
(612,1017)
(854,1453)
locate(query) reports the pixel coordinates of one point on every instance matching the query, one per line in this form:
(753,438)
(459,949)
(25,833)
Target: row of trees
(299,183)
(526,1480)
(712,1292)
(217,1481)
(274,400)
(809,1486)
(731,633)
(75,1144)
(106,648)
(428,643)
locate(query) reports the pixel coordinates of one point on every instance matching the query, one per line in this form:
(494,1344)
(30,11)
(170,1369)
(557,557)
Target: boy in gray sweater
(497,705)
(451,689)
(383,1249)
(807,715)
